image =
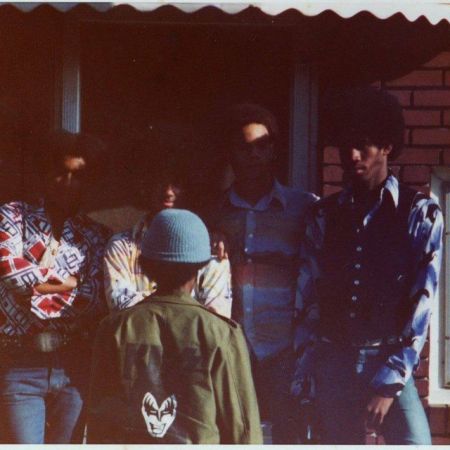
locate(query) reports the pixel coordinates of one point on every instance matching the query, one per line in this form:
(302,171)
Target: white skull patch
(158,418)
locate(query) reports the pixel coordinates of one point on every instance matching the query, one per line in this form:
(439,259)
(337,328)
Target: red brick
(426,350)
(376,84)
(447,78)
(431,136)
(423,369)
(419,78)
(422,117)
(416,174)
(403,97)
(425,188)
(438,419)
(418,156)
(432,98)
(395,170)
(422,387)
(441,60)
(407,137)
(329,189)
(332,173)
(425,403)
(440,440)
(447,117)
(446,157)
(331,155)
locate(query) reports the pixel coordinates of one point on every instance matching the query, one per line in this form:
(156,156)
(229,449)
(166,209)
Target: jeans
(41,397)
(272,383)
(343,376)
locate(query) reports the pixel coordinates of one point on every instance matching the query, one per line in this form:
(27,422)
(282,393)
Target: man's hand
(56,287)
(376,411)
(219,246)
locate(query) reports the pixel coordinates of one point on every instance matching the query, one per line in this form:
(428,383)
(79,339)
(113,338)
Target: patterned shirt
(25,238)
(264,243)
(425,229)
(126,284)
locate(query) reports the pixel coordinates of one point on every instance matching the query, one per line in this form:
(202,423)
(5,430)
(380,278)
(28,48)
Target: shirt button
(246,249)
(357,266)
(358,230)
(352,315)
(359,248)
(248,310)
(251,212)
(249,260)
(250,235)
(354,298)
(356,282)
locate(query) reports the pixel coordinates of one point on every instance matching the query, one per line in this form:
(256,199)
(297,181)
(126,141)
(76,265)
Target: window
(440,320)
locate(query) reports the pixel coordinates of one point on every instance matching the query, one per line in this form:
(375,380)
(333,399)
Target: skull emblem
(158,418)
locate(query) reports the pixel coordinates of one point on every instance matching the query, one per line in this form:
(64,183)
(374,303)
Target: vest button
(356,282)
(357,266)
(359,248)
(352,315)
(354,298)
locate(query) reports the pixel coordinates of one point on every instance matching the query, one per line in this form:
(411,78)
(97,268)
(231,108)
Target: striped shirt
(264,242)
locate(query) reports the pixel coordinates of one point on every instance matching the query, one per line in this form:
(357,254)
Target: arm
(426,229)
(306,302)
(18,274)
(213,287)
(120,288)
(236,404)
(55,287)
(86,300)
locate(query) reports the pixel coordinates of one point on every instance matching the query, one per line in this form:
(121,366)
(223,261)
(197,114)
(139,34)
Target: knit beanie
(177,235)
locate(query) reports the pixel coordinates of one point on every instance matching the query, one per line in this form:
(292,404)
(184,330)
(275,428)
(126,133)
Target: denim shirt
(264,243)
(425,229)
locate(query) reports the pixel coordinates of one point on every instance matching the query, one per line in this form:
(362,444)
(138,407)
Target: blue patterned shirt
(425,229)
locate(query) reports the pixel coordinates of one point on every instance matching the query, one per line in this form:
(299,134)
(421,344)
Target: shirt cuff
(388,382)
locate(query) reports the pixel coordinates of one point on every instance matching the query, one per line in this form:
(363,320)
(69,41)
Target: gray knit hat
(177,235)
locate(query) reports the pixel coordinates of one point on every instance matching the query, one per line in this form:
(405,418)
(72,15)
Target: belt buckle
(47,341)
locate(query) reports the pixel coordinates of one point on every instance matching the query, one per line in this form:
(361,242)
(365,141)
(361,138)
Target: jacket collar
(180,299)
(389,190)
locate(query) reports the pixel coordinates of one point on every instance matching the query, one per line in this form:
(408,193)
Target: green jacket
(170,371)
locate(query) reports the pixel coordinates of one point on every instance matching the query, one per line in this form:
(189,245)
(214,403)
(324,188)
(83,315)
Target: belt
(43,342)
(390,340)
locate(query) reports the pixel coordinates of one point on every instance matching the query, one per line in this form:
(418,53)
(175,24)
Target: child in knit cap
(168,370)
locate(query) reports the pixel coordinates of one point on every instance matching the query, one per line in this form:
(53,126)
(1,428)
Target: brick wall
(425,96)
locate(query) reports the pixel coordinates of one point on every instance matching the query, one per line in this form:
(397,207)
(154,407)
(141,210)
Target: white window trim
(439,393)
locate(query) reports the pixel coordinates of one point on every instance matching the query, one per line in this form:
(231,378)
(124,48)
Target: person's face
(166,196)
(252,152)
(364,162)
(65,183)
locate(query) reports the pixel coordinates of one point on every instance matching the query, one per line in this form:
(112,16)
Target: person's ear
(386,150)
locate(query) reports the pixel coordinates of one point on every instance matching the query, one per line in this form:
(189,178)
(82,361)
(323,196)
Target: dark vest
(366,272)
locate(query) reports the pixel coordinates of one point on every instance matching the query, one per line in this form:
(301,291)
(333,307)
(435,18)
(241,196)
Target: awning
(433,10)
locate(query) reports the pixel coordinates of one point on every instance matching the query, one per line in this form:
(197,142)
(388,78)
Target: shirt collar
(390,188)
(277,193)
(180,299)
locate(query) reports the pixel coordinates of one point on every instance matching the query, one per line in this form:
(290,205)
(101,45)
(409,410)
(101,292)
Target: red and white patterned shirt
(25,234)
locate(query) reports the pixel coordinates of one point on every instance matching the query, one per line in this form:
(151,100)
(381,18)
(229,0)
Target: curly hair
(366,115)
(245,113)
(57,145)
